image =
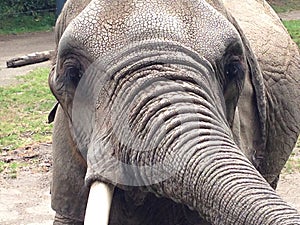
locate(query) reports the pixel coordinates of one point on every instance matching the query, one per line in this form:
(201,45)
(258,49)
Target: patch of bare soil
(289,189)
(293,15)
(26,198)
(12,46)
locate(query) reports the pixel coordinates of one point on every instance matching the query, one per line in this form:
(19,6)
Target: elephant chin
(99,213)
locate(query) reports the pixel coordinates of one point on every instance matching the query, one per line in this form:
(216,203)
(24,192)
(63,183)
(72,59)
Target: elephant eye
(72,72)
(234,70)
(73,75)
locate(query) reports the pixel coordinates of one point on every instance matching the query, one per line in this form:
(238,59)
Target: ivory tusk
(99,202)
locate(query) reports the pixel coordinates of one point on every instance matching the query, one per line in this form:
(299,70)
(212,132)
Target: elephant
(172,112)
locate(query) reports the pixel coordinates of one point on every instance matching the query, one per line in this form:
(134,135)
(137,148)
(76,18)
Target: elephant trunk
(164,128)
(225,188)
(205,169)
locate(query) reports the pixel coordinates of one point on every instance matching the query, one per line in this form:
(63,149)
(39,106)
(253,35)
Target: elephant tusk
(99,202)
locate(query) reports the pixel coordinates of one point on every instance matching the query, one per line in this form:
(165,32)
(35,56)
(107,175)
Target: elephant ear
(280,67)
(275,84)
(253,92)
(52,113)
(250,125)
(250,117)
(256,79)
(71,9)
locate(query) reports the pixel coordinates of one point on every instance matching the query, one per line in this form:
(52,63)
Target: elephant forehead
(105,26)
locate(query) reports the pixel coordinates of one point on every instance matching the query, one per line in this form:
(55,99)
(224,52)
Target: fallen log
(33,58)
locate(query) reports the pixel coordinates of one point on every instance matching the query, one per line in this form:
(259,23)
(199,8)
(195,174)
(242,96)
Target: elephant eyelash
(72,71)
(234,69)
(73,75)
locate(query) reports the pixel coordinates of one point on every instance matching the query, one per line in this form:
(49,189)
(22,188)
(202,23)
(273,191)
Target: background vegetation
(12,7)
(293,27)
(24,109)
(17,16)
(281,6)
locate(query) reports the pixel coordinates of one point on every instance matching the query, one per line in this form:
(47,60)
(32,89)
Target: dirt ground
(26,199)
(293,15)
(12,46)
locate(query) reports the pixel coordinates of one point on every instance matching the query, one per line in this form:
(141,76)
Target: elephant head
(150,90)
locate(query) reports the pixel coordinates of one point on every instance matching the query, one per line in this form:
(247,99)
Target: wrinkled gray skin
(239,111)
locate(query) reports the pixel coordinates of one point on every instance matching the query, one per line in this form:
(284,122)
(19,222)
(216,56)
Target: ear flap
(52,113)
(256,78)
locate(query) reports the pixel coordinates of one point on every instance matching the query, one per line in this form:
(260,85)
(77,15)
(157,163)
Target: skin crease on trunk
(155,84)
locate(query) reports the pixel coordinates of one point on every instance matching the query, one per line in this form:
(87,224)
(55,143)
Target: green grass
(24,109)
(281,6)
(293,27)
(293,164)
(11,169)
(2,166)
(27,23)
